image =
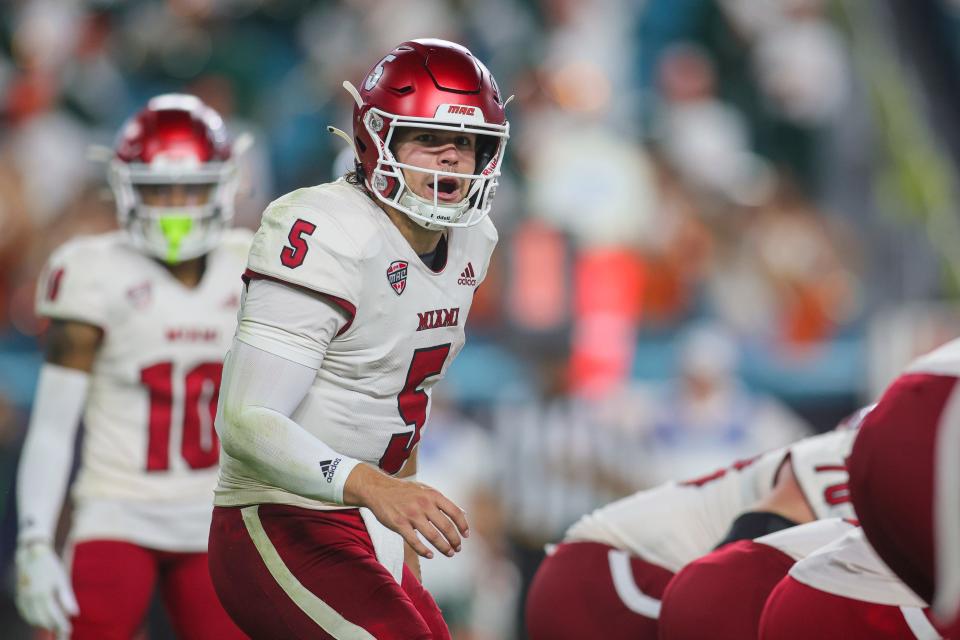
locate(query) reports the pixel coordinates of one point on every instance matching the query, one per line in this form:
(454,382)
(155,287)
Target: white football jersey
(677,522)
(849,567)
(371,397)
(943,361)
(800,541)
(149,454)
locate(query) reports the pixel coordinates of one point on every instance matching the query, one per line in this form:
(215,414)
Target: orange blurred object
(609,284)
(540,292)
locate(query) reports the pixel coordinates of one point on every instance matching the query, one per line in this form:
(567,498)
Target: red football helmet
(434,84)
(176,144)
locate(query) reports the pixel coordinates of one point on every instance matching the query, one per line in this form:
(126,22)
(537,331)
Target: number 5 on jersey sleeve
(293,256)
(412,403)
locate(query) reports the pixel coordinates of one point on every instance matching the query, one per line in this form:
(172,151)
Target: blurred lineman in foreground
(613,565)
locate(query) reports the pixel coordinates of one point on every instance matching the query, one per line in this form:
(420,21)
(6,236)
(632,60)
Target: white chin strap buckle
(425,211)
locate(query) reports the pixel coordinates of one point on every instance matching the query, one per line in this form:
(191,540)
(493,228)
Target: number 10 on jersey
(199,389)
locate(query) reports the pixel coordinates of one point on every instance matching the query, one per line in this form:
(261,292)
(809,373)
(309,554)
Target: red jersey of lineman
(905,478)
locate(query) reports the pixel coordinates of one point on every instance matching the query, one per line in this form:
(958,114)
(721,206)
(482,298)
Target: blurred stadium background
(724,223)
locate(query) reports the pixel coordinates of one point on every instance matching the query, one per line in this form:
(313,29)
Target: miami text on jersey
(438,318)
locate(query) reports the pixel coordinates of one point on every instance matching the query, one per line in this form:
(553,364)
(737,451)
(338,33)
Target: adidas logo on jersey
(468,276)
(328,468)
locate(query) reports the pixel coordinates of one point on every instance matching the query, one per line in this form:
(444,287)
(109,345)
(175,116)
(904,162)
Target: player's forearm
(285,454)
(48,450)
(259,393)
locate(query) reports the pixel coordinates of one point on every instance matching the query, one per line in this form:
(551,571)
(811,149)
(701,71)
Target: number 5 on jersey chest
(412,404)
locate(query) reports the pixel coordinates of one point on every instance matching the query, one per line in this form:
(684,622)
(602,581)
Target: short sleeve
(307,247)
(71,287)
(289,322)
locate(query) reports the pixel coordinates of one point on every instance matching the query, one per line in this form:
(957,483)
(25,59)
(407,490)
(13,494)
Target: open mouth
(447,189)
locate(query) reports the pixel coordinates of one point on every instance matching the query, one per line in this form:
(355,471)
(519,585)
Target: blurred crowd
(693,253)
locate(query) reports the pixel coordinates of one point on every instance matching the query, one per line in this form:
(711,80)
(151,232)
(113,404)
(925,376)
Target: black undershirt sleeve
(754,524)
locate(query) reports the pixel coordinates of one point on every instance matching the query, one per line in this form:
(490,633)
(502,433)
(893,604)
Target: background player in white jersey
(357,299)
(140,321)
(623,555)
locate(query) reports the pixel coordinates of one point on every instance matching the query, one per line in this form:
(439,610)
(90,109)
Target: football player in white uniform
(357,298)
(140,320)
(609,573)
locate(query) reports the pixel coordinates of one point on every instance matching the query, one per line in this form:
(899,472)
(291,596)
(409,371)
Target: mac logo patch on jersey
(231,302)
(397,275)
(140,295)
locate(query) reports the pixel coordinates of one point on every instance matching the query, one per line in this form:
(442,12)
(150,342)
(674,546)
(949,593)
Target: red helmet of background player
(433,84)
(174,144)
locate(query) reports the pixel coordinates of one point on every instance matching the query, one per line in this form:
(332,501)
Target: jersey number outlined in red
(201,387)
(294,255)
(412,403)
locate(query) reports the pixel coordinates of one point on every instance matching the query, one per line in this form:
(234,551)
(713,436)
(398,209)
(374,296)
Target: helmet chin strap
(426,209)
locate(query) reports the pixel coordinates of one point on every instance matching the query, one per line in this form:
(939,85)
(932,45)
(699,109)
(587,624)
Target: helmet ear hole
(362,147)
(486,148)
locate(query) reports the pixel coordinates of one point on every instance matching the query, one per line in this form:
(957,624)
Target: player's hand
(44,596)
(408,508)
